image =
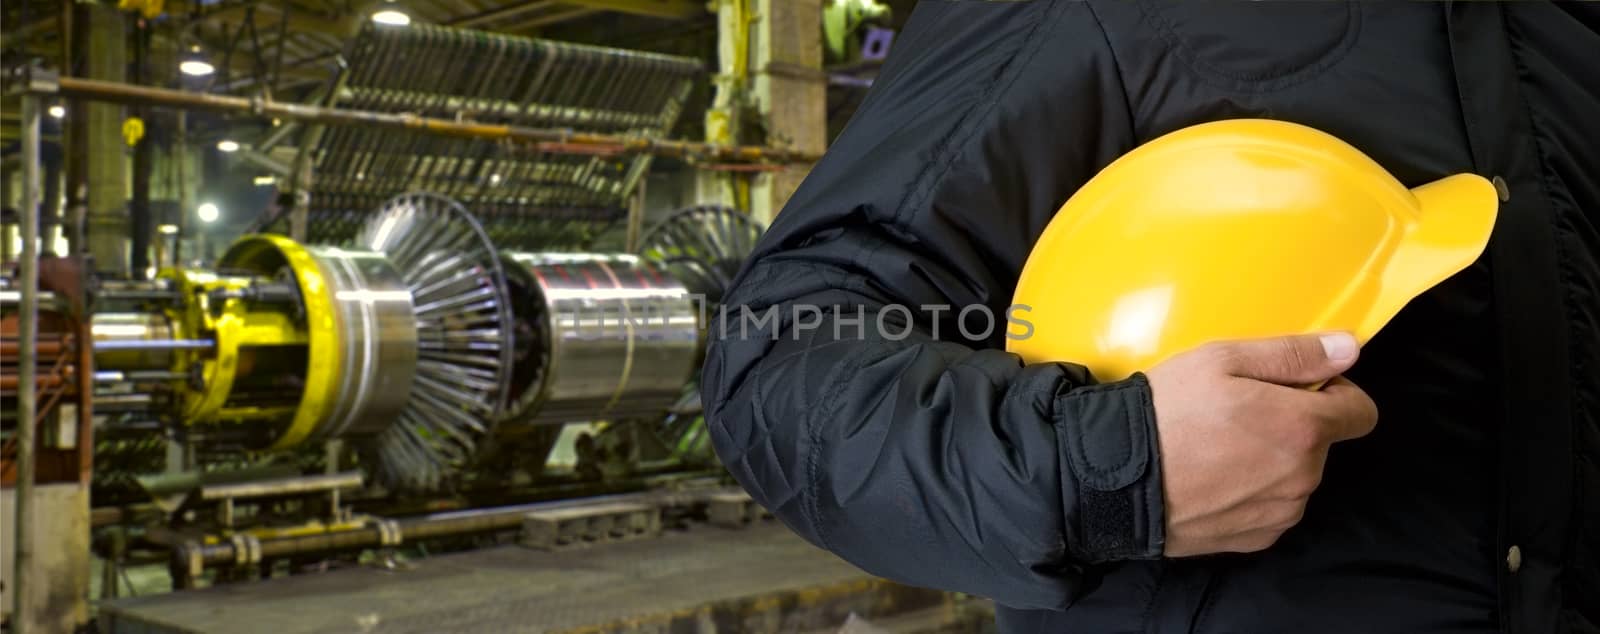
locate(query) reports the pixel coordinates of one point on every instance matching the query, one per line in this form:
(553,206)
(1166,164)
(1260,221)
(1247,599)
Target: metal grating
(526,196)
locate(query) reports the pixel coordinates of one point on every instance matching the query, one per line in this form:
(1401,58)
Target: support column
(790,92)
(142,229)
(770,55)
(104,186)
(723,116)
(24,617)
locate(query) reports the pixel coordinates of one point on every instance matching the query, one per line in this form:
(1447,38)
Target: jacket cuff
(1112,495)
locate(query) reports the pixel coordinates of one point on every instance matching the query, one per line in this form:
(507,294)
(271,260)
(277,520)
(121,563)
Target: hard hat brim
(1457,217)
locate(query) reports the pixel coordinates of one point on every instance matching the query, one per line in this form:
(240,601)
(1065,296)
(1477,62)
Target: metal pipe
(108,345)
(148,295)
(122,402)
(10,382)
(283,486)
(119,376)
(27,331)
(137,290)
(11,347)
(189,558)
(12,296)
(545,139)
(109,515)
(124,286)
(425,527)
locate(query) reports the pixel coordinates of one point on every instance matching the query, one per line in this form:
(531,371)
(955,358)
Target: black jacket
(940,460)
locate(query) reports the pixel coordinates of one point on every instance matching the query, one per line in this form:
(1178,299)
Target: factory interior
(387,316)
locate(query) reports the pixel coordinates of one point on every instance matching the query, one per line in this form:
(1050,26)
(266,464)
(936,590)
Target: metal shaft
(283,486)
(121,376)
(153,344)
(27,392)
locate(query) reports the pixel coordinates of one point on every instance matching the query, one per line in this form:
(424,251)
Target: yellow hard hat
(1237,229)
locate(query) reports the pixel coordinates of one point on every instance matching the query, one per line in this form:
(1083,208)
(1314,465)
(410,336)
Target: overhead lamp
(208,212)
(196,68)
(228,145)
(167,229)
(391,15)
(58,111)
(263,181)
(195,65)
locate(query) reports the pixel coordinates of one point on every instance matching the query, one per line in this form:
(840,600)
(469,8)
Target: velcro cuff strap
(1113,499)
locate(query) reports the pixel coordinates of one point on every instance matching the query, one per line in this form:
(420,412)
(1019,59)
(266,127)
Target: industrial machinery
(409,361)
(618,338)
(421,344)
(269,408)
(529,196)
(393,344)
(425,342)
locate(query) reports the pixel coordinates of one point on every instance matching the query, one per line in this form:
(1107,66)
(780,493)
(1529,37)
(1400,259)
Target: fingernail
(1339,346)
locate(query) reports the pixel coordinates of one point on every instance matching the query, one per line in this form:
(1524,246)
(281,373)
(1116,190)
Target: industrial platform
(706,579)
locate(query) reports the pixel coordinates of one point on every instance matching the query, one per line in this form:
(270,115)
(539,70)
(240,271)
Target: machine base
(761,578)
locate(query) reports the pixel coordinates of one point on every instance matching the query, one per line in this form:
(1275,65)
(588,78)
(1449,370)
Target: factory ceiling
(286,45)
(292,49)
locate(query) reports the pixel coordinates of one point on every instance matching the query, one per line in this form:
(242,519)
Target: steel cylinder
(377,341)
(132,341)
(356,330)
(600,337)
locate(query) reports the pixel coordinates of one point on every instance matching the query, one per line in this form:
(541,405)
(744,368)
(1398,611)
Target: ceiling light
(228,145)
(58,111)
(263,181)
(196,68)
(391,17)
(168,229)
(208,212)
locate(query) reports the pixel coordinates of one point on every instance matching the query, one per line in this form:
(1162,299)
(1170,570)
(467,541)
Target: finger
(1341,410)
(1296,360)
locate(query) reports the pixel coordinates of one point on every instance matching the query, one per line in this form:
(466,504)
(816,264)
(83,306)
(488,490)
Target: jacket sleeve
(856,382)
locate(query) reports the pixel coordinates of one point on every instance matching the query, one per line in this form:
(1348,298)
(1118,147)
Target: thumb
(1295,361)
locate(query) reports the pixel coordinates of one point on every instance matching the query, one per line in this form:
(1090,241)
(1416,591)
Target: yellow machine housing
(299,343)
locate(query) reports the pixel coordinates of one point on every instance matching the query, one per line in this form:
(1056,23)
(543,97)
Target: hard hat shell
(1237,229)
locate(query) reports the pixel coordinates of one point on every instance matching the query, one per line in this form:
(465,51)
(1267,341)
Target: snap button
(1513,559)
(1501,189)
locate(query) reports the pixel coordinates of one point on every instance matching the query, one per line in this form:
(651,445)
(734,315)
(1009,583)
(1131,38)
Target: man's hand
(1241,449)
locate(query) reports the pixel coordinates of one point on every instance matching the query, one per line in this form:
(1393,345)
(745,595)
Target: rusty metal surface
(760,579)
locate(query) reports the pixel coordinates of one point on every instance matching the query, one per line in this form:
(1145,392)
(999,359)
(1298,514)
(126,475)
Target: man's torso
(1406,532)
